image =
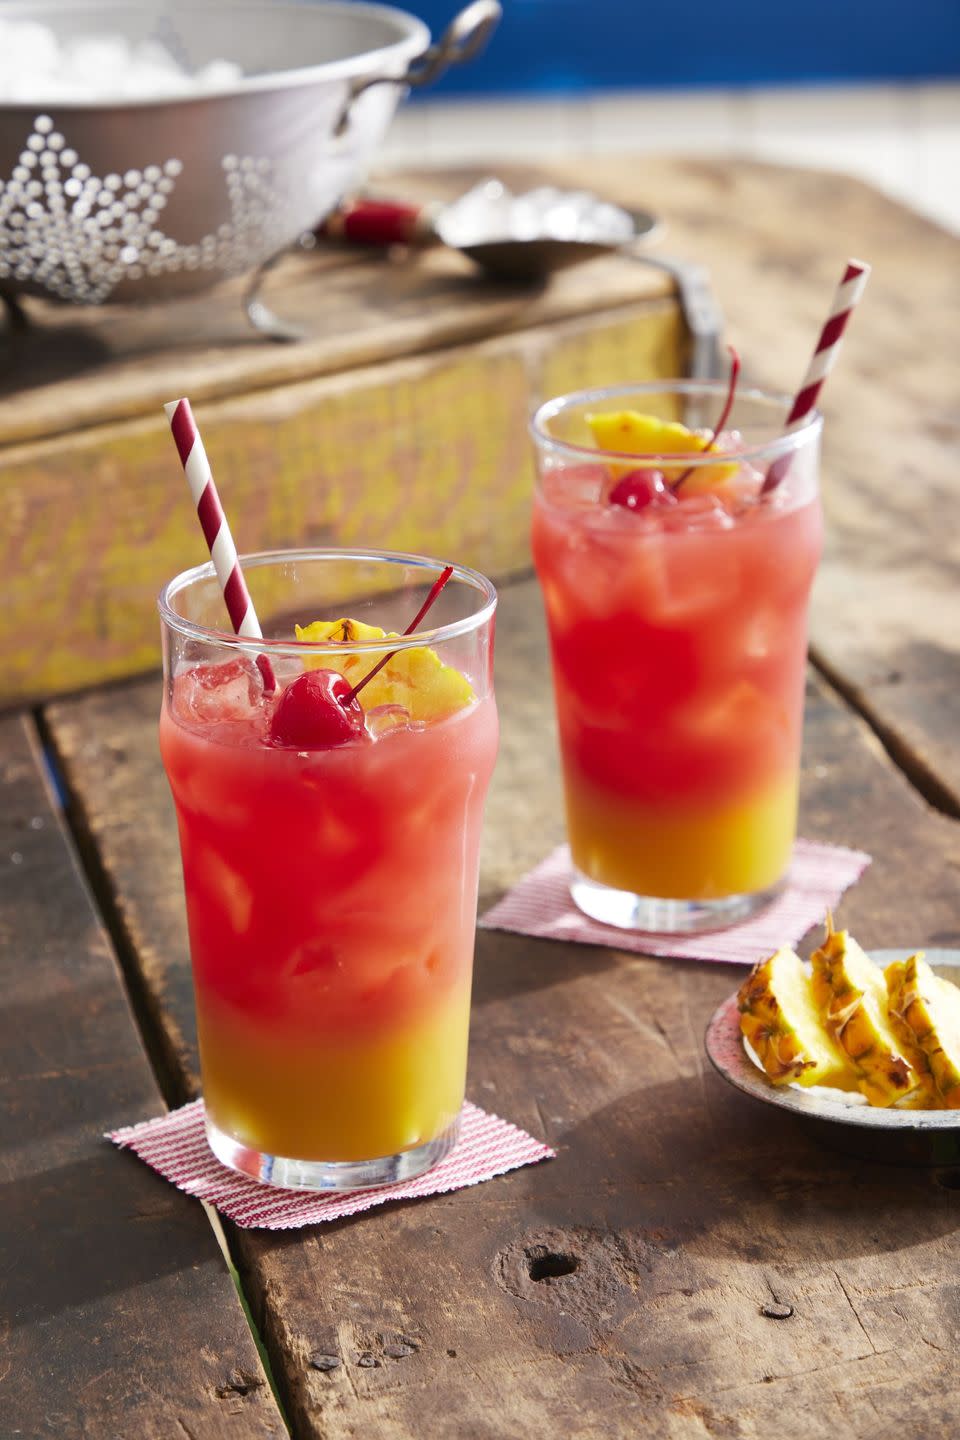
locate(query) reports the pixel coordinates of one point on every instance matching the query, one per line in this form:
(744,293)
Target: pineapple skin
(885,1075)
(912,998)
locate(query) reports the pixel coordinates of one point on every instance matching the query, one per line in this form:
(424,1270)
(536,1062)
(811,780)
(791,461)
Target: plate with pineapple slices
(867,1043)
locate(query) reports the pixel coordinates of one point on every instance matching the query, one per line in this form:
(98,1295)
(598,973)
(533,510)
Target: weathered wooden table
(687,1219)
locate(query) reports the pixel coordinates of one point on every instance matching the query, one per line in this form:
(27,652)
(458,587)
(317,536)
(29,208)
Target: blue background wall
(561,46)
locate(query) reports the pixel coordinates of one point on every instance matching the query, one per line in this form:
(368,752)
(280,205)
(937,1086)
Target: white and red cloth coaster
(540,905)
(176,1146)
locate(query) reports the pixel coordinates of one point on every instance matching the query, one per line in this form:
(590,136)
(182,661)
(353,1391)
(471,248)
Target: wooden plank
(112,735)
(428,453)
(685,1208)
(117,1314)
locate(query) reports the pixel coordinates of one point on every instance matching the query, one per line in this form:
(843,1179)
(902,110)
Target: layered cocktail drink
(676,571)
(331,879)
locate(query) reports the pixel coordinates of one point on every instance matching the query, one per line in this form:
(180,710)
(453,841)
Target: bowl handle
(465,36)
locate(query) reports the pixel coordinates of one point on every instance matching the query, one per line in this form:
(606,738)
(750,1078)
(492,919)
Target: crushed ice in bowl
(491,212)
(38,65)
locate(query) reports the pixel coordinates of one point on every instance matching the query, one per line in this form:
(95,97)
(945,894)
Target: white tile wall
(903,138)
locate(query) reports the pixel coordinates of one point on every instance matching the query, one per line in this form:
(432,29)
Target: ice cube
(318,957)
(384,718)
(764,634)
(228,890)
(696,512)
(213,694)
(726,714)
(574,487)
(697,576)
(561,604)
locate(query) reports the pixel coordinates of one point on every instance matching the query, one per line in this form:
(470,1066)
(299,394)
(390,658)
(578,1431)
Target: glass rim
(770,450)
(266,645)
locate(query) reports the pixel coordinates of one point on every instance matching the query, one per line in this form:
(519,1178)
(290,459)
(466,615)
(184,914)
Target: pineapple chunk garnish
(927,1009)
(851,996)
(630,433)
(416,678)
(780,1020)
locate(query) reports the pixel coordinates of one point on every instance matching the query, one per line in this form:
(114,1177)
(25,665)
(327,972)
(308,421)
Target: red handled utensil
(529,257)
(511,237)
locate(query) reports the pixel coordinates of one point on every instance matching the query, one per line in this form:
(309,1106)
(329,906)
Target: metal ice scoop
(512,237)
(523,238)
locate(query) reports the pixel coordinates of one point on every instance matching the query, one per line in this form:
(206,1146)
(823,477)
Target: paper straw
(216,531)
(851,287)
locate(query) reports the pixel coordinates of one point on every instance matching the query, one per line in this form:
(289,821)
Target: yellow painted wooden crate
(401,422)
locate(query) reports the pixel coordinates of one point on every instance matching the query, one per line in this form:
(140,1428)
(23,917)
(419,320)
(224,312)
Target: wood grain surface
(627,1287)
(118,1317)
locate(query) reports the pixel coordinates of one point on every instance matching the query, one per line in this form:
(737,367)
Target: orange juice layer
(354,1098)
(682,852)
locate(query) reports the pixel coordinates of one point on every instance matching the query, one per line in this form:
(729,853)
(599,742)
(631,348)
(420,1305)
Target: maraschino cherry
(640,488)
(316,711)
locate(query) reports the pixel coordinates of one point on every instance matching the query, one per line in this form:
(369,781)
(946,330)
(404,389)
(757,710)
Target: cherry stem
(435,589)
(724,415)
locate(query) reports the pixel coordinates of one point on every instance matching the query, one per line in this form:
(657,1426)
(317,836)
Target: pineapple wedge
(780,1020)
(631,433)
(928,1010)
(416,678)
(927,1096)
(851,996)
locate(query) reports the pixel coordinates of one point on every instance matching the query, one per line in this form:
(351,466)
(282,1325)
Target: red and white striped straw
(216,531)
(851,287)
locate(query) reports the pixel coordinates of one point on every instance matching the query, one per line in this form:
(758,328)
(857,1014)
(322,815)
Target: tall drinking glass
(331,888)
(678,630)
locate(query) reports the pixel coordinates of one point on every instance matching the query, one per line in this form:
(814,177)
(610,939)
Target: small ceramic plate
(726,1049)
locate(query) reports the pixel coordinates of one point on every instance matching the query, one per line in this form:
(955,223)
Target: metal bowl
(145,200)
(905,1137)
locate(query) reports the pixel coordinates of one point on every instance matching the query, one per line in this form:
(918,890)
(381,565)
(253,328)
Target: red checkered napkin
(540,905)
(176,1146)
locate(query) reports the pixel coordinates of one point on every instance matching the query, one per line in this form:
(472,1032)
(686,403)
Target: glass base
(647,913)
(331,1176)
